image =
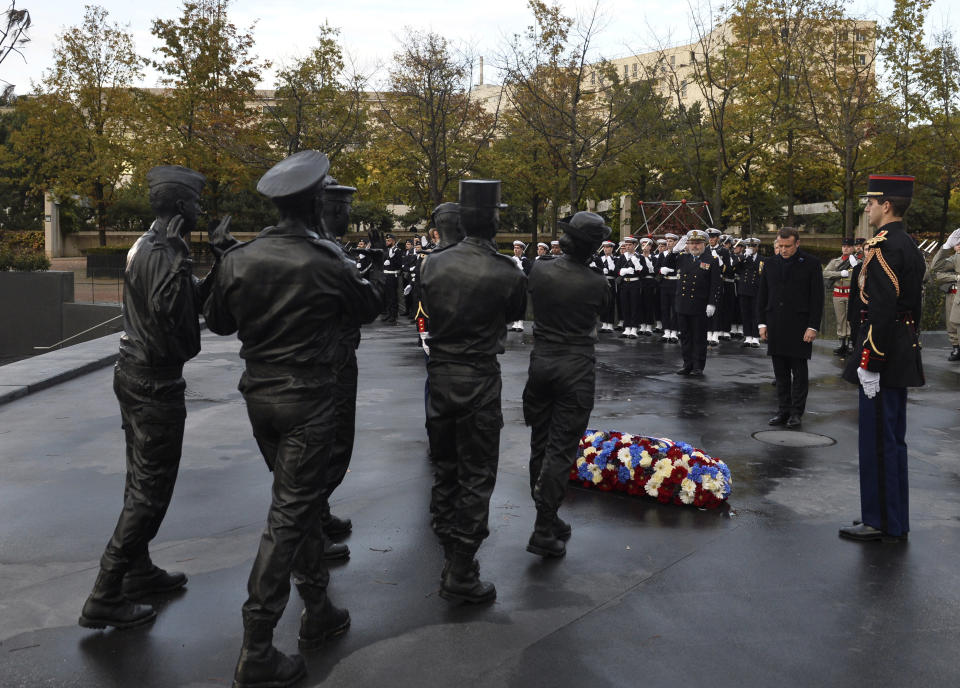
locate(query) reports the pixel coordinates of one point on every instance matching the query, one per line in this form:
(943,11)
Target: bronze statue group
(296,301)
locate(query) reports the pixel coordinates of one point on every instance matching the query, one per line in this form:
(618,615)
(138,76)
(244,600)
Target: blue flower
(584,472)
(623,475)
(687,448)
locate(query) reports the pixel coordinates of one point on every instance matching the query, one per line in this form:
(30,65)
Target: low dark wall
(31,310)
(78,317)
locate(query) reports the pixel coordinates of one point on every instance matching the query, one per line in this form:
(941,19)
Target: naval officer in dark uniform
(567,299)
(469,293)
(288,293)
(698,291)
(886,360)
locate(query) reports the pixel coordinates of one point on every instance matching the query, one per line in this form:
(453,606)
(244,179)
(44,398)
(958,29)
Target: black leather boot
(448,550)
(462,582)
(145,578)
(544,541)
(107,606)
(261,665)
(320,620)
(334,527)
(562,529)
(333,551)
(954,354)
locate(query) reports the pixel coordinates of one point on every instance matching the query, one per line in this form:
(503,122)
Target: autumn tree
(432,127)
(205,117)
(318,104)
(576,104)
(78,129)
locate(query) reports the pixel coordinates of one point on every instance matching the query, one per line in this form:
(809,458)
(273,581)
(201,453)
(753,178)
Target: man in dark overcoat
(886,360)
(790,307)
(469,293)
(568,297)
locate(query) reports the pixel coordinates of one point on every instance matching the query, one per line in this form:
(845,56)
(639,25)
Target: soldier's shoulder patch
(880,236)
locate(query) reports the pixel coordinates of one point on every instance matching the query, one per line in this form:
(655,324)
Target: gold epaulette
(874,241)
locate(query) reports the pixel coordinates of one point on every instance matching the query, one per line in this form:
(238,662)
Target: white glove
(626,271)
(386,263)
(680,245)
(748,251)
(844,273)
(423,241)
(953,239)
(853,261)
(666,271)
(869,381)
(407,289)
(711,309)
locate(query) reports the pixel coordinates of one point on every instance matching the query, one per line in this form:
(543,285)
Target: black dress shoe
(684,371)
(333,551)
(779,419)
(864,533)
(336,528)
(954,354)
(793,421)
(696,372)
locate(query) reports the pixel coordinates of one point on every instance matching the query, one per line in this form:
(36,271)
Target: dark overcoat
(790,300)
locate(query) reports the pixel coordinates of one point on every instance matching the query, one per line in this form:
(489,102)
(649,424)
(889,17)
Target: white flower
(590,451)
(645,460)
(581,461)
(624,455)
(597,477)
(651,489)
(663,465)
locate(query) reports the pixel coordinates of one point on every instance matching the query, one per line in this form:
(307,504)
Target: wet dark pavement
(763,593)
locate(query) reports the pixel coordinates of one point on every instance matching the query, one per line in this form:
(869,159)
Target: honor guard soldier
(698,291)
(409,266)
(470,293)
(666,266)
(555,248)
(747,269)
(161,302)
(288,294)
(649,295)
(661,249)
(567,299)
(630,269)
(363,256)
(722,256)
(543,250)
(890,287)
(837,273)
(392,265)
(946,271)
(606,264)
(523,264)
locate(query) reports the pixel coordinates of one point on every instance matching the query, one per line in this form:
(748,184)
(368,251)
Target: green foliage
(106,250)
(933,307)
(25,262)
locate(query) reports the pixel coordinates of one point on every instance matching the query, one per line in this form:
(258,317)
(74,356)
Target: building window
(683,89)
(673,60)
(693,57)
(862,60)
(593,78)
(626,72)
(861,36)
(784,33)
(634,70)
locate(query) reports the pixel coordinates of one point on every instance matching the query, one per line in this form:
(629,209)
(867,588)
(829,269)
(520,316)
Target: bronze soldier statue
(469,292)
(290,327)
(161,301)
(568,297)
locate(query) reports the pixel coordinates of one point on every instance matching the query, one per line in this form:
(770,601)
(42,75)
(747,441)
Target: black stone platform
(761,594)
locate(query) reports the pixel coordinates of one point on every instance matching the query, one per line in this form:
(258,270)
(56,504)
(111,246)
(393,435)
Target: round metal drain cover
(793,438)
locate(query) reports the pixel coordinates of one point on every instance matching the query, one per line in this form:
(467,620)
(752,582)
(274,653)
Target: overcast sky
(372,30)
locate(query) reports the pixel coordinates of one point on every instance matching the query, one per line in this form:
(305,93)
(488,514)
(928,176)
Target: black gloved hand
(220,237)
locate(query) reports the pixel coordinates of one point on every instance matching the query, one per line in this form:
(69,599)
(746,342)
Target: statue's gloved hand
(220,237)
(376,240)
(174,239)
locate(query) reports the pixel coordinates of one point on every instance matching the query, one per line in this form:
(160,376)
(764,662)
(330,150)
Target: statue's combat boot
(107,606)
(261,665)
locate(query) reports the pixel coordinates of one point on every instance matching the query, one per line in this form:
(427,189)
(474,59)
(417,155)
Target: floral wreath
(658,467)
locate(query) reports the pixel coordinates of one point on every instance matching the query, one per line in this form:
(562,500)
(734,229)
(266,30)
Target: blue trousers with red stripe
(884,503)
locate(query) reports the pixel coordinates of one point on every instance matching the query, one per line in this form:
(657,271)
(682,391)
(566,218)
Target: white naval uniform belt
(671,277)
(728,279)
(391,272)
(630,279)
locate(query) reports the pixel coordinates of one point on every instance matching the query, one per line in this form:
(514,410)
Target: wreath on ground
(657,467)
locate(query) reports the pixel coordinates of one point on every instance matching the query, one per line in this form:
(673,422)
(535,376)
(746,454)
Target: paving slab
(761,593)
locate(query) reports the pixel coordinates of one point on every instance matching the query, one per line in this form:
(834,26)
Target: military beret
(299,173)
(890,185)
(388,235)
(586,226)
(175,174)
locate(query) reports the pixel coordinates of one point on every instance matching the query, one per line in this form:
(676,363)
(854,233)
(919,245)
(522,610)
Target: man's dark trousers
(693,339)
(294,434)
(557,402)
(884,500)
(792,384)
(463,420)
(153,412)
(391,300)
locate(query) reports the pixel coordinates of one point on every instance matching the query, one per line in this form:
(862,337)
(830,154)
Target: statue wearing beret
(288,294)
(161,301)
(469,292)
(568,297)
